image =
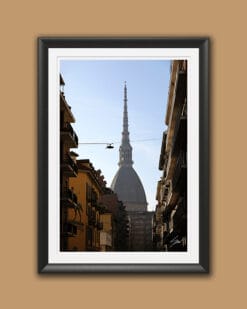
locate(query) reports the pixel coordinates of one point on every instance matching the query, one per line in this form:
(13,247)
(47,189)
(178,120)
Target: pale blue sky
(94,89)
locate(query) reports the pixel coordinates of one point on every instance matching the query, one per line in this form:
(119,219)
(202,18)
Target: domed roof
(126,183)
(128,186)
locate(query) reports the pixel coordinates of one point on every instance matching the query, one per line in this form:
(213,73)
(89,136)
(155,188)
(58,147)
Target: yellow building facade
(88,186)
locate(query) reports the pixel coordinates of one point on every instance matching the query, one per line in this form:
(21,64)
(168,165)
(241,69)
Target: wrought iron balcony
(68,135)
(165,191)
(69,198)
(64,106)
(69,166)
(178,180)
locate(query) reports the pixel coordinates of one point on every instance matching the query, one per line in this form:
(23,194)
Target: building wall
(69,224)
(89,185)
(120,222)
(170,220)
(79,187)
(132,207)
(140,231)
(106,233)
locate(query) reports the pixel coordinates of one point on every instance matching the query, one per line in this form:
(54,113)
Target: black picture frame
(44,44)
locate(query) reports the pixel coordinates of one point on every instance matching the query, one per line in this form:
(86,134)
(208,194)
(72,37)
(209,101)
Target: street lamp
(108,145)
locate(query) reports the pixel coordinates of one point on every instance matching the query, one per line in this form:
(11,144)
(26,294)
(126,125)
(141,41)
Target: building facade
(106,241)
(68,168)
(128,186)
(140,230)
(120,221)
(89,185)
(170,219)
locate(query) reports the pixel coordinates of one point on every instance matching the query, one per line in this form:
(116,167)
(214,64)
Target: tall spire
(125,150)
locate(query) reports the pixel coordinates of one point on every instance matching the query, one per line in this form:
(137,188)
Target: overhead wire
(131,141)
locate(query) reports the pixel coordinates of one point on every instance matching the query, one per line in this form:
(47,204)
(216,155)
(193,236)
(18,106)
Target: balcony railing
(173,191)
(69,195)
(165,191)
(65,107)
(166,158)
(67,128)
(71,163)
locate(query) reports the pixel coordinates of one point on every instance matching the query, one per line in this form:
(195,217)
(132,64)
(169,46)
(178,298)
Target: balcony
(165,191)
(69,230)
(178,180)
(178,142)
(66,108)
(69,198)
(69,167)
(162,152)
(178,98)
(179,139)
(166,158)
(69,136)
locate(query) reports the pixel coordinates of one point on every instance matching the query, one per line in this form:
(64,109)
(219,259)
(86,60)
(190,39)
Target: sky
(95,91)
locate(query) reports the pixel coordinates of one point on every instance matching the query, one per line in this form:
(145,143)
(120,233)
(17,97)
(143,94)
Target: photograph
(123,155)
(121,135)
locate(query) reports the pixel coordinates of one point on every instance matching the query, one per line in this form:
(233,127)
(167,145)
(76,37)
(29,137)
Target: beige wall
(21,23)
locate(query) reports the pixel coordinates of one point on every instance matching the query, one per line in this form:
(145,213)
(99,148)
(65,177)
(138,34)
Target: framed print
(123,155)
